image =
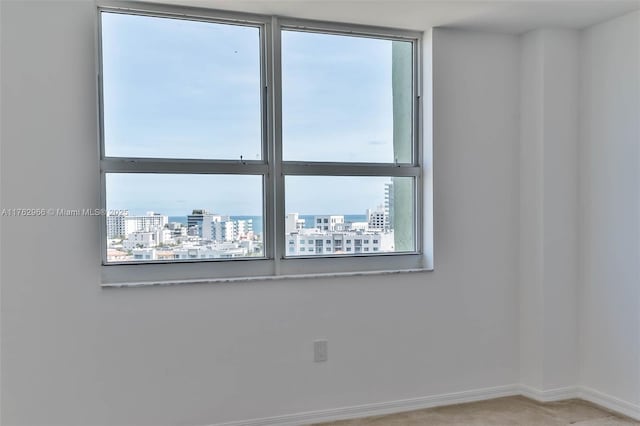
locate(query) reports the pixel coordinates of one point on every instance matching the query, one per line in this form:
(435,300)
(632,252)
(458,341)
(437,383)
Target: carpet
(508,411)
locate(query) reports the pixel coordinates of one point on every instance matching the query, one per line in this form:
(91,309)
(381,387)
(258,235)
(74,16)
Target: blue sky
(187,89)
(181,89)
(336,98)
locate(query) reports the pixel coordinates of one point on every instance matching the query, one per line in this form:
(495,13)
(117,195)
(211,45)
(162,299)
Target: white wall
(579,205)
(609,202)
(549,208)
(75,354)
(531,225)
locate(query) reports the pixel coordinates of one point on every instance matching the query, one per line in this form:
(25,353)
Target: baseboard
(609,402)
(550,395)
(379,408)
(595,397)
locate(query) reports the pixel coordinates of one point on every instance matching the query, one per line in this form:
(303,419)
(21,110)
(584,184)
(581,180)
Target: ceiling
(508,16)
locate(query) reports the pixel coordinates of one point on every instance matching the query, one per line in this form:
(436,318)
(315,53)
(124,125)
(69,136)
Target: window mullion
(148,165)
(269,191)
(277,167)
(349,169)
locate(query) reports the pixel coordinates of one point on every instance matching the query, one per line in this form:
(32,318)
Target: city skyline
(205,235)
(240,195)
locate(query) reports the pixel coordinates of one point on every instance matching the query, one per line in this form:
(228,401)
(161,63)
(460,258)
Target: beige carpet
(510,411)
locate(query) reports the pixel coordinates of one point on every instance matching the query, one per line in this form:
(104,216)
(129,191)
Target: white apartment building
(149,222)
(140,240)
(389,202)
(244,228)
(309,242)
(378,218)
(222,251)
(165,236)
(231,230)
(145,254)
(146,239)
(177,229)
(352,226)
(221,231)
(293,223)
(192,252)
(121,225)
(327,223)
(116,226)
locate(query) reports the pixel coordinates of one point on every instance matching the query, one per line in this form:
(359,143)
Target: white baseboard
(390,407)
(379,408)
(549,395)
(609,402)
(595,397)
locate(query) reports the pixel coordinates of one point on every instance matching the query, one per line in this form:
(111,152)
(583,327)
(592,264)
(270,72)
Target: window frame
(275,261)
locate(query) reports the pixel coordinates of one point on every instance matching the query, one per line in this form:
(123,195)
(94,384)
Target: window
(226,137)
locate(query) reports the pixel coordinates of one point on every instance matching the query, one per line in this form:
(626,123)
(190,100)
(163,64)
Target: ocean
(258,226)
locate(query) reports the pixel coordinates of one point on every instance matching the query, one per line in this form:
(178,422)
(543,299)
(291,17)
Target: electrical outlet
(320,351)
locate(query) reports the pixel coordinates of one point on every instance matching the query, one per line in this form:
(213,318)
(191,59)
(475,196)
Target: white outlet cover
(320,351)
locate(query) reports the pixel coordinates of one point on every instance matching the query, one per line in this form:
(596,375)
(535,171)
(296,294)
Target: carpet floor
(509,411)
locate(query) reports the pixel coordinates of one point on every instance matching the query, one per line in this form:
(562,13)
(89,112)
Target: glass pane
(346,98)
(175,88)
(165,217)
(344,215)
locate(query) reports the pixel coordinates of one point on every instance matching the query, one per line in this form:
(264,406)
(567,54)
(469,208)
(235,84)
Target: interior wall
(610,206)
(548,209)
(560,208)
(531,300)
(76,354)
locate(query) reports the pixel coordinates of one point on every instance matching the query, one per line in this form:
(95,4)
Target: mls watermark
(61,212)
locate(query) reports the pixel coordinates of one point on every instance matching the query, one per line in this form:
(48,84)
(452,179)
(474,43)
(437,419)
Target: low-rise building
(327,222)
(313,243)
(293,223)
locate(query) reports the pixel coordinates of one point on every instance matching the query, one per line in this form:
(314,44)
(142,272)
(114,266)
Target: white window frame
(275,263)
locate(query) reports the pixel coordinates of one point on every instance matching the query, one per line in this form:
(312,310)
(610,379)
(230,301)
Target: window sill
(263,278)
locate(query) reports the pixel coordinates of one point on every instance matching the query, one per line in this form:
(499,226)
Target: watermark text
(61,212)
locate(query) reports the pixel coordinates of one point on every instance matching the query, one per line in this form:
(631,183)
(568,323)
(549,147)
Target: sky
(187,89)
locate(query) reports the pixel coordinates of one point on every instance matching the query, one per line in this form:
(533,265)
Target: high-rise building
(378,218)
(199,223)
(116,226)
(231,230)
(389,204)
